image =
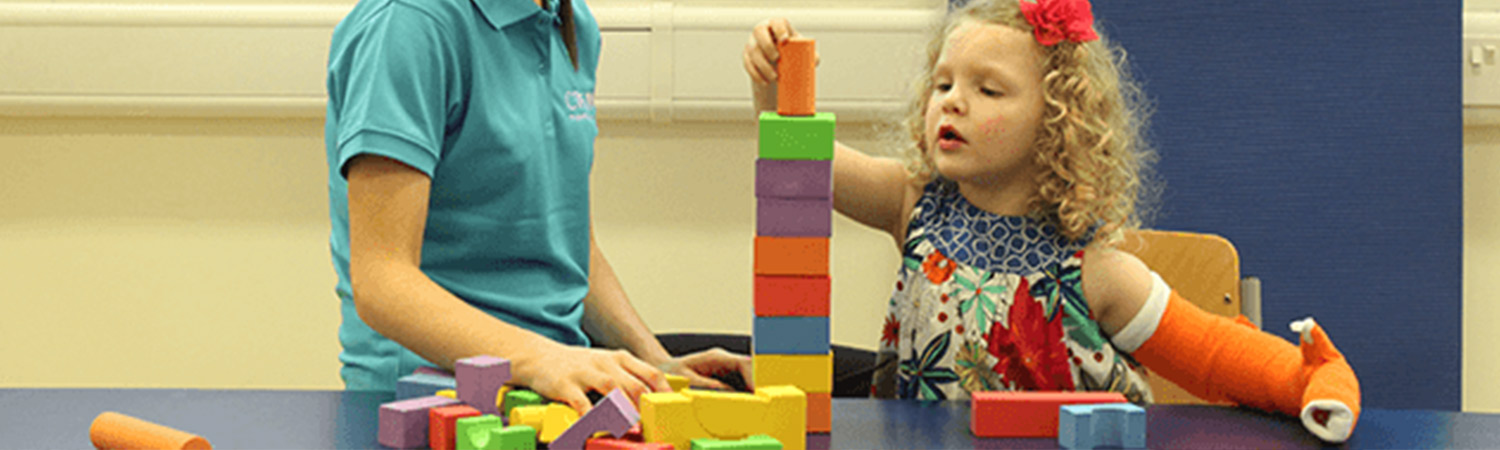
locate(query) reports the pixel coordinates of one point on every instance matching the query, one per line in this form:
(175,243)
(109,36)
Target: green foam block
(757,442)
(796,137)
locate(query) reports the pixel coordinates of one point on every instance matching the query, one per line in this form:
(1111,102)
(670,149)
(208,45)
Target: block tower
(793,224)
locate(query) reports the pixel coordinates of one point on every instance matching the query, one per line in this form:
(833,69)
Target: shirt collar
(502,13)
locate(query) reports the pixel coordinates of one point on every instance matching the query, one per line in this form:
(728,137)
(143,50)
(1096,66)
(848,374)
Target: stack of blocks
(472,415)
(1076,419)
(794,211)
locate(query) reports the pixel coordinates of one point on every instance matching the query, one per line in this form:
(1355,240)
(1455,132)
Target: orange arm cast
(1221,359)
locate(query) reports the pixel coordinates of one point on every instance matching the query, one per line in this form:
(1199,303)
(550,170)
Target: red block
(622,444)
(783,296)
(1026,414)
(441,423)
(819,412)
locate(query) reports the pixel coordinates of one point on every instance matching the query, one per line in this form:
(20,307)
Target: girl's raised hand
(761,56)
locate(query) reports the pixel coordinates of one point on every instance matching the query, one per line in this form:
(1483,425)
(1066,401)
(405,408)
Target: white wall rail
(663,61)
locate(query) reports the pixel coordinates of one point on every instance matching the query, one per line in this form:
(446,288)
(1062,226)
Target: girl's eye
(989,92)
(943,87)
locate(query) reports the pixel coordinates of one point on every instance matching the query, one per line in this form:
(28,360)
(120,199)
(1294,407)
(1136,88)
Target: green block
(473,433)
(756,442)
(796,137)
(521,397)
(515,437)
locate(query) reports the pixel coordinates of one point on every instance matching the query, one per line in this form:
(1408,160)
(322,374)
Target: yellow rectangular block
(810,373)
(677,418)
(678,382)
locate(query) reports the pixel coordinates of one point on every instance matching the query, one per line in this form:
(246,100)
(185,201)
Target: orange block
(819,412)
(783,296)
(442,423)
(778,255)
(1026,414)
(112,430)
(796,77)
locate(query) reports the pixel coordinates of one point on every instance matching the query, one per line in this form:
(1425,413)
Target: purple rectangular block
(403,424)
(793,178)
(613,413)
(819,441)
(479,379)
(794,217)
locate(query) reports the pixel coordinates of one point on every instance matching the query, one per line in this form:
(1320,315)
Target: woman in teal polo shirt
(460,138)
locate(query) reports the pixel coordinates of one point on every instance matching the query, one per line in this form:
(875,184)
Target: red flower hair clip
(1055,21)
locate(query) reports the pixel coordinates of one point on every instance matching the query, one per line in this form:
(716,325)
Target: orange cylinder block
(796,79)
(115,431)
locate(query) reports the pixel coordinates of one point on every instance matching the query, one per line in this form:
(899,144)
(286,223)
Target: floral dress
(985,302)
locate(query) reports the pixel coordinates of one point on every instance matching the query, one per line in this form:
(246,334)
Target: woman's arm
(387,214)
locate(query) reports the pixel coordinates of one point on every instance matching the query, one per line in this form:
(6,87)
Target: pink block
(613,413)
(479,379)
(403,424)
(794,217)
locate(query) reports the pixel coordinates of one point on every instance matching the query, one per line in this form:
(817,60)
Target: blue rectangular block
(1120,425)
(794,217)
(422,385)
(791,336)
(793,178)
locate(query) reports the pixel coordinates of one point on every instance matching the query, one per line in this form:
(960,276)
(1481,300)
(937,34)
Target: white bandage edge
(1340,417)
(1143,325)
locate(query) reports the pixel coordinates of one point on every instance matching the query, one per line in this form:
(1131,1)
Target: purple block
(403,424)
(613,413)
(819,441)
(479,380)
(794,217)
(432,371)
(793,178)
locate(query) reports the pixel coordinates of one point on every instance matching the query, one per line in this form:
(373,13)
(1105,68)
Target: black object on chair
(852,367)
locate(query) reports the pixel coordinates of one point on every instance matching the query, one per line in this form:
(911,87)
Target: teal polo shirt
(482,97)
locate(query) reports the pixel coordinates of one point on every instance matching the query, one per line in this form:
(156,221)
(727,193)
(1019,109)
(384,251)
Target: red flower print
(892,332)
(937,267)
(1031,351)
(1055,21)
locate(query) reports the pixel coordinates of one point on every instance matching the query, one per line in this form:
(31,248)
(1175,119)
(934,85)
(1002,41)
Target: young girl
(1023,170)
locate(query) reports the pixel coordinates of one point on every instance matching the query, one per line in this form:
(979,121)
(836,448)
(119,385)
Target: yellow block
(530,415)
(499,397)
(810,373)
(677,418)
(447,393)
(678,382)
(555,421)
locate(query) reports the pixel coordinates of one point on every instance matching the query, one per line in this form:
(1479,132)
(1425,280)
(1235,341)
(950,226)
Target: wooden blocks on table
(679,417)
(479,379)
(404,423)
(1119,425)
(1026,414)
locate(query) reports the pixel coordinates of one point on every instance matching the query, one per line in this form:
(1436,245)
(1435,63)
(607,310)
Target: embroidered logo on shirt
(580,105)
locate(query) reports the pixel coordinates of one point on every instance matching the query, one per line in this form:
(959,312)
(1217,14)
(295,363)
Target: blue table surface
(260,419)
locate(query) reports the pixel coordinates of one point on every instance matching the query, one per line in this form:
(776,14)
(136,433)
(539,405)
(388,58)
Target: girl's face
(985,106)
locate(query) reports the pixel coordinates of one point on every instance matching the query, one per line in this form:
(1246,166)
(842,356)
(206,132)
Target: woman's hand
(566,374)
(760,59)
(700,367)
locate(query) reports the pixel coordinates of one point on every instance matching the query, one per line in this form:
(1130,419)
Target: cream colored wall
(1481,289)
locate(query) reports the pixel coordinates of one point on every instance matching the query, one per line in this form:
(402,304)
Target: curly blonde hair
(1091,135)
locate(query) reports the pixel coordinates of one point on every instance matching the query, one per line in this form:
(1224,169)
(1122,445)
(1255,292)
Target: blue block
(1121,425)
(422,385)
(791,336)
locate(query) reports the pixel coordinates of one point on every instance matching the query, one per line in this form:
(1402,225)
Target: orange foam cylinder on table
(112,430)
(796,77)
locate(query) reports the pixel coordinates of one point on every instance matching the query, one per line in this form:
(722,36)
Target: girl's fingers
(766,42)
(574,397)
(651,378)
(763,66)
(706,382)
(751,68)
